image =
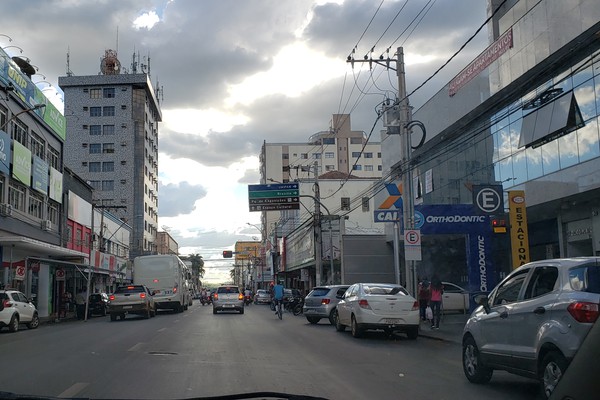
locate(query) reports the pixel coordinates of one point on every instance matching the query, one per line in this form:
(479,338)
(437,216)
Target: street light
(36,107)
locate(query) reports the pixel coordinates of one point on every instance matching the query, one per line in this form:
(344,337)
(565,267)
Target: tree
(197,264)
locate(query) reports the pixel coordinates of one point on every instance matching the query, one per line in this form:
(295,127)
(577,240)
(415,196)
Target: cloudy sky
(235,73)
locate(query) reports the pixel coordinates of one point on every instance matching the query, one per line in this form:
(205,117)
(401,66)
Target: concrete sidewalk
(451,328)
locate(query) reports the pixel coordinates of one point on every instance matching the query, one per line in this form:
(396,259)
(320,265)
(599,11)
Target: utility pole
(317,229)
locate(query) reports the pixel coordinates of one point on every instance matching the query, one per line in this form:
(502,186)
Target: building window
(108,148)
(36,204)
(3,116)
(357,167)
(368,168)
(94,167)
(108,130)
(19,132)
(54,158)
(95,111)
(356,140)
(356,154)
(379,168)
(365,204)
(328,140)
(108,93)
(108,166)
(379,155)
(304,156)
(95,148)
(95,130)
(16,196)
(37,146)
(345,203)
(316,156)
(285,156)
(52,212)
(368,155)
(329,167)
(108,111)
(97,185)
(329,154)
(95,94)
(108,185)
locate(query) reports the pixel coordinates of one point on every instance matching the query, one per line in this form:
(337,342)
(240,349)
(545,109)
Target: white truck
(168,279)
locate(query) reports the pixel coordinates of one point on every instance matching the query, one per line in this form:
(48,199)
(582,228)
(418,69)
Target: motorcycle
(205,300)
(294,305)
(247,300)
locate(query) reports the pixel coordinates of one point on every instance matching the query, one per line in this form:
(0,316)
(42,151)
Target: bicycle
(277,306)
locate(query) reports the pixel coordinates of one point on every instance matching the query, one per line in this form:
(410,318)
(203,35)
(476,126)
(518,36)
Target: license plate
(391,321)
(127,307)
(228,305)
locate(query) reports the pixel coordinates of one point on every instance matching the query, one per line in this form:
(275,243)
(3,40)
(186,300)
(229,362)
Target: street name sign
(274,197)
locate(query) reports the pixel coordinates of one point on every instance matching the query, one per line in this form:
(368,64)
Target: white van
(167,277)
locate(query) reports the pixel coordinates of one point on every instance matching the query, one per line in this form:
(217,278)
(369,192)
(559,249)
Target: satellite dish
(25,67)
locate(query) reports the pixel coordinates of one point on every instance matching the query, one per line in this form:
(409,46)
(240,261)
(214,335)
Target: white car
(455,298)
(382,306)
(15,309)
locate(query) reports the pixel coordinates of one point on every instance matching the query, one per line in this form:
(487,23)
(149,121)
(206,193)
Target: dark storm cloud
(178,198)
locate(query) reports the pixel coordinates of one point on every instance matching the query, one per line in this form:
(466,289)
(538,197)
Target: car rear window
(319,292)
(384,290)
(129,289)
(585,278)
(228,289)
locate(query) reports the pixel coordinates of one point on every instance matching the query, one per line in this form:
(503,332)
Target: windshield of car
(384,290)
(585,278)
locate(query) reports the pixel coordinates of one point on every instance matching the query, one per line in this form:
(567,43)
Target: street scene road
(196,353)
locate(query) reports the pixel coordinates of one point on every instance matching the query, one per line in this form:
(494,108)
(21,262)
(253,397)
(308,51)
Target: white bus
(167,277)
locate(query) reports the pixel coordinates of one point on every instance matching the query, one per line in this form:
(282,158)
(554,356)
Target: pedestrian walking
(424,294)
(435,302)
(80,304)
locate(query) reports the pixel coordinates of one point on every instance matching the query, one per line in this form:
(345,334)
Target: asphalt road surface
(196,354)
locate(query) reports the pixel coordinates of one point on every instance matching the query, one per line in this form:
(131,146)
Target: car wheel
(113,317)
(214,310)
(553,367)
(35,322)
(13,325)
(153,313)
(473,368)
(413,332)
(332,317)
(357,332)
(338,325)
(147,314)
(242,311)
(313,320)
(104,312)
(122,317)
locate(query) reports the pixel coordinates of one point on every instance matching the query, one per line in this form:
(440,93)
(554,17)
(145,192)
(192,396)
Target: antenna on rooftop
(69,72)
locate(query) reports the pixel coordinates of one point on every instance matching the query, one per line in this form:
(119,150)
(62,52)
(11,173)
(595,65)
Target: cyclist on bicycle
(277,295)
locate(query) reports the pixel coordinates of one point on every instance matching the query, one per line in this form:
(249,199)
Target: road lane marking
(135,347)
(73,390)
(162,329)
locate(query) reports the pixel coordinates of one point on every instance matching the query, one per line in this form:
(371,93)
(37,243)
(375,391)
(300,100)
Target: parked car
(321,302)
(98,304)
(534,321)
(228,297)
(17,309)
(262,297)
(382,306)
(455,298)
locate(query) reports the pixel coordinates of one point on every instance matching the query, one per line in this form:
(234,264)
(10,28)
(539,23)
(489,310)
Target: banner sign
(519,235)
(5,153)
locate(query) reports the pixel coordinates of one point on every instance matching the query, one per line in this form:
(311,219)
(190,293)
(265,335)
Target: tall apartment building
(112,142)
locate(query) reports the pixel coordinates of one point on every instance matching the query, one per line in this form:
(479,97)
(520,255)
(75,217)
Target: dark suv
(98,304)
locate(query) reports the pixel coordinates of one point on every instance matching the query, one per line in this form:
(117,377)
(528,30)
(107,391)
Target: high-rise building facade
(112,131)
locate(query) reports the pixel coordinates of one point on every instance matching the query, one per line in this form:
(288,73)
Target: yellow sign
(519,236)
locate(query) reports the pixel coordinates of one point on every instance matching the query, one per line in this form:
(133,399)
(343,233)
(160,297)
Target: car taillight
(240,297)
(174,290)
(7,303)
(216,297)
(583,311)
(325,301)
(415,306)
(142,295)
(364,304)
(111,297)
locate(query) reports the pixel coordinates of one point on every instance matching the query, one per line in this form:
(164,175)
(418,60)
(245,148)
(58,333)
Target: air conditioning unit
(5,210)
(47,225)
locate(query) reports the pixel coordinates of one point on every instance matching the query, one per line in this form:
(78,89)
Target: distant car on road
(321,301)
(379,306)
(228,297)
(15,309)
(131,299)
(262,297)
(533,323)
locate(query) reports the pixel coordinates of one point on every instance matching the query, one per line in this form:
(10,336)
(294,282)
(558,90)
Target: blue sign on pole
(5,154)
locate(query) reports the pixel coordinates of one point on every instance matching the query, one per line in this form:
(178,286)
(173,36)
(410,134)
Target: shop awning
(37,247)
(552,120)
(83,268)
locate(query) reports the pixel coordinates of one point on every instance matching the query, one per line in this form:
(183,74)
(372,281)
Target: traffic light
(498,224)
(227,254)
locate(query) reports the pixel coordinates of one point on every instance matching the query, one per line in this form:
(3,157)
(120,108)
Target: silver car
(321,302)
(228,297)
(534,321)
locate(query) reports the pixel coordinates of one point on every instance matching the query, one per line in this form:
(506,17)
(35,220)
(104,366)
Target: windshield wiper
(250,396)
